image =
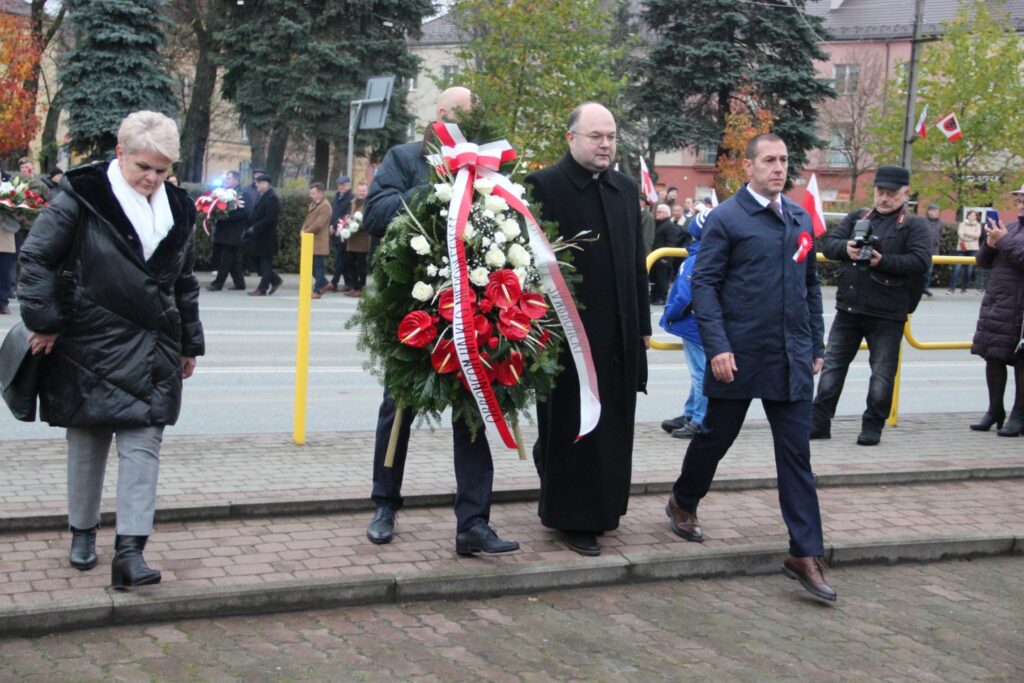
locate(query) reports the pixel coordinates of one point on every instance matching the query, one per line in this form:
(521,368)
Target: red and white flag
(646,185)
(922,127)
(950,127)
(811,202)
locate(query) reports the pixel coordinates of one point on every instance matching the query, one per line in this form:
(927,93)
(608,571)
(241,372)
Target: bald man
(584,485)
(402,175)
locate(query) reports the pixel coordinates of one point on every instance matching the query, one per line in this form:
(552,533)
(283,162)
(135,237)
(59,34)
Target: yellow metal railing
(674,252)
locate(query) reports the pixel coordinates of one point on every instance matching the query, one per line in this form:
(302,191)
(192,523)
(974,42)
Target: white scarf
(150,216)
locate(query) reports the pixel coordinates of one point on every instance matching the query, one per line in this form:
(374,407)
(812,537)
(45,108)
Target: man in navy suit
(758,306)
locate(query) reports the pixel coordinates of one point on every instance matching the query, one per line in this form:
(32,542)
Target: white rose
(510,227)
(521,274)
(345,233)
(495,203)
(518,190)
(479,277)
(518,256)
(494,257)
(420,245)
(432,270)
(445,272)
(443,192)
(470,232)
(499,238)
(485,241)
(422,291)
(487,213)
(483,186)
(443,213)
(358,216)
(444,259)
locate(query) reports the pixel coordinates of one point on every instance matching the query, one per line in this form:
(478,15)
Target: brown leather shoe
(257,292)
(684,523)
(317,295)
(810,572)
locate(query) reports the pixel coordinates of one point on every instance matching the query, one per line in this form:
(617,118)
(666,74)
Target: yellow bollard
(894,411)
(302,346)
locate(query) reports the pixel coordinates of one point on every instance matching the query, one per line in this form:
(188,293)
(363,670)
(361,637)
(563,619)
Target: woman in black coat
(999,322)
(108,292)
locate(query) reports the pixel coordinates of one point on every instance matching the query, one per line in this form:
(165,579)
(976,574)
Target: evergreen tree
(685,85)
(113,69)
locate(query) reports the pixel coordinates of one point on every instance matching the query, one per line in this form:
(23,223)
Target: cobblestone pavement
(34,568)
(950,621)
(205,470)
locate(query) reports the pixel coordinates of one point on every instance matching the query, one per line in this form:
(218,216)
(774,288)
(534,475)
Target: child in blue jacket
(678,319)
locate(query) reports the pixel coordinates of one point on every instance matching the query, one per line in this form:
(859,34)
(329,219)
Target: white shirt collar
(762,200)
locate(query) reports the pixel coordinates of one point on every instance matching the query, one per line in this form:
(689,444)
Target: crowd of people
(746,302)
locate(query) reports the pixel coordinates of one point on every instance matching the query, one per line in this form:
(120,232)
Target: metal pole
(906,154)
(353,117)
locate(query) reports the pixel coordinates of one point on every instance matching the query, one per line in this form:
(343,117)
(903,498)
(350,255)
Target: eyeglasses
(1018,200)
(596,138)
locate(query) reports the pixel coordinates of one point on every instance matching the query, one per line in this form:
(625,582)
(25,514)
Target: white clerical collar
(762,200)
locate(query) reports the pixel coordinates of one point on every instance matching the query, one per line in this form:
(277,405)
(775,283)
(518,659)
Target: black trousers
(267,275)
(661,278)
(355,273)
(229,264)
(791,427)
(474,469)
(340,258)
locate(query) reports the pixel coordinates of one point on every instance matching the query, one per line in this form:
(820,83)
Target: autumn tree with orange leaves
(741,125)
(19,59)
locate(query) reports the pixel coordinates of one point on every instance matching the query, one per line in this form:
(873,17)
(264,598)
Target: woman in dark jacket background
(999,322)
(121,335)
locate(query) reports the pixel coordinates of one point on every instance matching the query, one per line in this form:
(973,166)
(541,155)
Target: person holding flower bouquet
(227,235)
(403,176)
(19,207)
(357,244)
(585,480)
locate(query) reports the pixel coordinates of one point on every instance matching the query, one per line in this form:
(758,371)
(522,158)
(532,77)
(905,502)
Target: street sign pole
(373,116)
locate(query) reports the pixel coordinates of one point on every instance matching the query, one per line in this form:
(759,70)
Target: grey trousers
(138,452)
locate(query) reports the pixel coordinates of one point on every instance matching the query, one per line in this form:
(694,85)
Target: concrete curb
(331,506)
(688,561)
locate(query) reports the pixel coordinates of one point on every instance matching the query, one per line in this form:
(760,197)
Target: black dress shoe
(129,567)
(583,542)
(214,288)
(675,423)
(236,289)
(687,431)
(274,287)
(820,431)
(868,437)
(482,539)
(382,527)
(83,548)
(684,523)
(1014,425)
(992,417)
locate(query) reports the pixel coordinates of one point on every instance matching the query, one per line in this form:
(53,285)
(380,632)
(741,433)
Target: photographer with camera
(883,254)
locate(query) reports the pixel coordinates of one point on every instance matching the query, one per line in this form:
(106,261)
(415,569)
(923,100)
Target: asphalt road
(246,381)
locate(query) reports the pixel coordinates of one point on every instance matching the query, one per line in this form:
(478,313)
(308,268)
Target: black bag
(20,373)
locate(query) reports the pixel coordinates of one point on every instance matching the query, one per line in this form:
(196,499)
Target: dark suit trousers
(340,257)
(229,263)
(474,469)
(791,425)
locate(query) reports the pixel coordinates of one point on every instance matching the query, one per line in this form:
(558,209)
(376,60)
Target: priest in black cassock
(584,485)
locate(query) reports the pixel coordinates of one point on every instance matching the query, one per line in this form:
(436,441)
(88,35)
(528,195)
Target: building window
(449,72)
(838,153)
(846,77)
(708,156)
(413,82)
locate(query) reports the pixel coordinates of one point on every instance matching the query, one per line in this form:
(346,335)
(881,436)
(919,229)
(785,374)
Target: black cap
(672,189)
(56,170)
(933,207)
(343,179)
(263,177)
(892,177)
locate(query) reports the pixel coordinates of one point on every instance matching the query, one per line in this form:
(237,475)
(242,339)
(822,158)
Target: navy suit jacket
(753,300)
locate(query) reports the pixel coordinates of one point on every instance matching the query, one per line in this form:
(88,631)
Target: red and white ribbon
(804,244)
(469,161)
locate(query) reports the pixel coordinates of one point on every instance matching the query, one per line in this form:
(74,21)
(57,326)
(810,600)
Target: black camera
(864,241)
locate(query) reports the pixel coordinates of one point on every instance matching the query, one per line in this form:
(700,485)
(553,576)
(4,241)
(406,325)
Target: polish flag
(714,198)
(950,127)
(646,186)
(811,201)
(922,127)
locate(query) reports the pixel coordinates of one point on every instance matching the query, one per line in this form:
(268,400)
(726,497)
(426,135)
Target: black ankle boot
(1014,424)
(83,548)
(992,417)
(129,566)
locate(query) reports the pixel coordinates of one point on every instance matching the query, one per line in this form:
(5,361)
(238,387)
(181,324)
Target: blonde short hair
(149,131)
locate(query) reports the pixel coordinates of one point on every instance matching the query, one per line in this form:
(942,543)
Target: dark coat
(261,235)
(999,320)
(754,301)
(892,289)
(401,175)
(116,362)
(229,230)
(585,483)
(666,234)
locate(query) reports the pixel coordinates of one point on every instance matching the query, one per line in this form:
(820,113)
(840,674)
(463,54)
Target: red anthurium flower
(503,288)
(514,324)
(483,326)
(544,337)
(417,329)
(446,303)
(492,343)
(486,306)
(444,358)
(510,370)
(533,305)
